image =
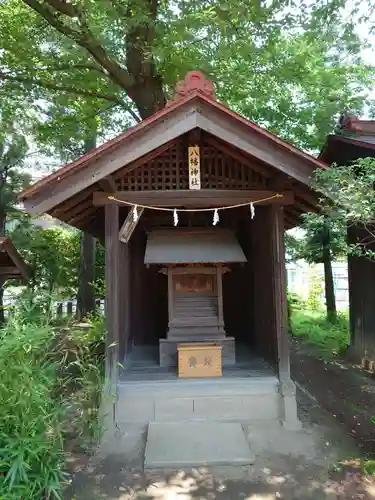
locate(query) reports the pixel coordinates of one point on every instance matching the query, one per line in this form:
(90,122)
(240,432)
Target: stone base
(178,445)
(247,399)
(168,351)
(290,420)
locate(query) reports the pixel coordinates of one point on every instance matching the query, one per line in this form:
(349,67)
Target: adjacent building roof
(12,265)
(354,139)
(185,246)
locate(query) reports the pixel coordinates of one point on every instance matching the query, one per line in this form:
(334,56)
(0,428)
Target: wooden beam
(108,184)
(89,211)
(10,271)
(193,198)
(309,197)
(72,202)
(77,209)
(303,206)
(281,182)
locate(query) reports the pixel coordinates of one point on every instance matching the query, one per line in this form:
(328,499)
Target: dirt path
(342,389)
(316,472)
(336,402)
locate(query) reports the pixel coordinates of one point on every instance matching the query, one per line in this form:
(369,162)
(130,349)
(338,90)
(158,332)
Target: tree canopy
(348,200)
(288,65)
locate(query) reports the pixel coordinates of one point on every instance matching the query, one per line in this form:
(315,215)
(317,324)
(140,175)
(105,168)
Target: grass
(331,338)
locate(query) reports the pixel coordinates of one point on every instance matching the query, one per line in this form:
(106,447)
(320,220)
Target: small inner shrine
(194,261)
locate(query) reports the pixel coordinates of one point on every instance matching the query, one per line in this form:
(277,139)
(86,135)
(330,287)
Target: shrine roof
(195,87)
(68,193)
(354,139)
(12,265)
(188,246)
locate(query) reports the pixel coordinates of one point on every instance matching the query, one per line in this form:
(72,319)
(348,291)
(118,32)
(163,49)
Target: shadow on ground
(302,465)
(110,481)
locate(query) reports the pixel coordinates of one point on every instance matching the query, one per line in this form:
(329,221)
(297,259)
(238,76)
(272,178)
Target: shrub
(81,375)
(50,388)
(329,337)
(31,450)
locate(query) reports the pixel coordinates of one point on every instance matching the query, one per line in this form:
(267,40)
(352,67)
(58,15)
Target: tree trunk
(86,291)
(329,286)
(2,281)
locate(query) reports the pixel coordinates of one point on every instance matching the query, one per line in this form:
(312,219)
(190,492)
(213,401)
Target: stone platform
(247,392)
(196,444)
(216,399)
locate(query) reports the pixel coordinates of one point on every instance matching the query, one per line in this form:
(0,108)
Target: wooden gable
(12,265)
(220,169)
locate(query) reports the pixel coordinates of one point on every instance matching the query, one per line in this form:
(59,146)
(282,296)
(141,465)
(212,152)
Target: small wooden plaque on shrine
(200,359)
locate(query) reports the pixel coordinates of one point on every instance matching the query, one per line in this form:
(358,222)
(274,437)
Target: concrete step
(238,400)
(179,445)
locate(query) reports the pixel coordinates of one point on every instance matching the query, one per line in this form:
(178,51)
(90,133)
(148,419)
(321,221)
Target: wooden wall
(149,295)
(248,290)
(262,300)
(361,273)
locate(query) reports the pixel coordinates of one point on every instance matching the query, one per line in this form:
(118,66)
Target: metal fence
(66,308)
(60,309)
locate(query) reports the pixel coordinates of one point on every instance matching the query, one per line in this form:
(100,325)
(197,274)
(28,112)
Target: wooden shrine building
(353,140)
(12,265)
(192,205)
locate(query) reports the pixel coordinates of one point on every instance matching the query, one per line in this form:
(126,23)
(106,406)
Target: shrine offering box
(200,359)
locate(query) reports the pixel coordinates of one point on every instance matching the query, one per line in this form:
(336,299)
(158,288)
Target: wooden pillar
(262,293)
(287,387)
(112,303)
(124,301)
(219,280)
(279,293)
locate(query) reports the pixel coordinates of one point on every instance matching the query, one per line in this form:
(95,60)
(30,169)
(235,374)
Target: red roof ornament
(194,81)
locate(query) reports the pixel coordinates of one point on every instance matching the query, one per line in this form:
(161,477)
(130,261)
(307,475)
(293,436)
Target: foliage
(330,338)
(82,372)
(53,257)
(293,246)
(296,302)
(30,431)
(13,178)
(290,66)
(50,389)
(349,200)
(320,233)
(313,301)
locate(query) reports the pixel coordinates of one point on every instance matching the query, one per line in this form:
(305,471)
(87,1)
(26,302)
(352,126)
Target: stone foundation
(168,351)
(248,399)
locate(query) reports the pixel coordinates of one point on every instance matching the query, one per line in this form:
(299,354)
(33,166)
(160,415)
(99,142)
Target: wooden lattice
(169,171)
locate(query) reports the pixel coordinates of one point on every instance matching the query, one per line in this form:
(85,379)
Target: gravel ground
(303,466)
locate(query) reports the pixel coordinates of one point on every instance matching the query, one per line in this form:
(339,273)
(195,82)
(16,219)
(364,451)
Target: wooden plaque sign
(200,359)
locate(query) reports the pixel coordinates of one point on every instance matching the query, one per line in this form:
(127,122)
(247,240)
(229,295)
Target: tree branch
(63,67)
(64,7)
(61,88)
(83,37)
